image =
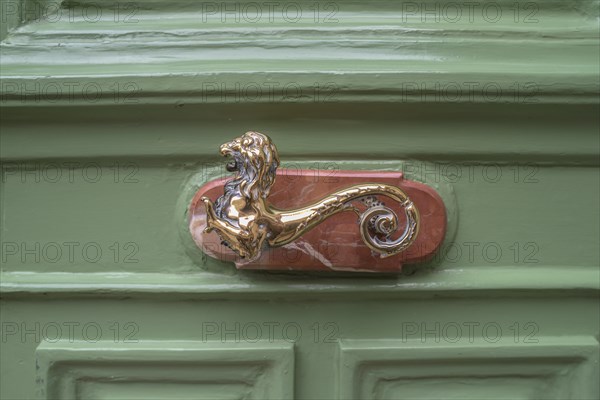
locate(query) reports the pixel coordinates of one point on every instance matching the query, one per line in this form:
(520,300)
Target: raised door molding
(551,368)
(499,51)
(157,370)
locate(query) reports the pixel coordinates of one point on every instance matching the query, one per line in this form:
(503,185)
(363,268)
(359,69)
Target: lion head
(255,160)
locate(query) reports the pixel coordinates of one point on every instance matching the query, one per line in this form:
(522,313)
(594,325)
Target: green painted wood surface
(302,51)
(102,295)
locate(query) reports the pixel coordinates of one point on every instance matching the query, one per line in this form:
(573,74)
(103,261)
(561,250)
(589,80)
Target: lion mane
(255,159)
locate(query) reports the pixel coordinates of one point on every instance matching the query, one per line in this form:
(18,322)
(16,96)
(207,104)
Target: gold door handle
(246,222)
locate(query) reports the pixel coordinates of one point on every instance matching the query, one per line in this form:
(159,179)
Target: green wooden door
(112,114)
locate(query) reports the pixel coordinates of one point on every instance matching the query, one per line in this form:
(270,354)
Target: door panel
(70,369)
(109,126)
(465,368)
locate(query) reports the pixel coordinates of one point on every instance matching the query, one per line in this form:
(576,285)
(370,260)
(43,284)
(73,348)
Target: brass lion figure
(247,223)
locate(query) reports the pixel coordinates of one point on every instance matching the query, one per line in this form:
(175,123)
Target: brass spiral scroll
(378,223)
(246,222)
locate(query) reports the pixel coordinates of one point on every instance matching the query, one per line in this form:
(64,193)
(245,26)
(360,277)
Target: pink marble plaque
(335,244)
